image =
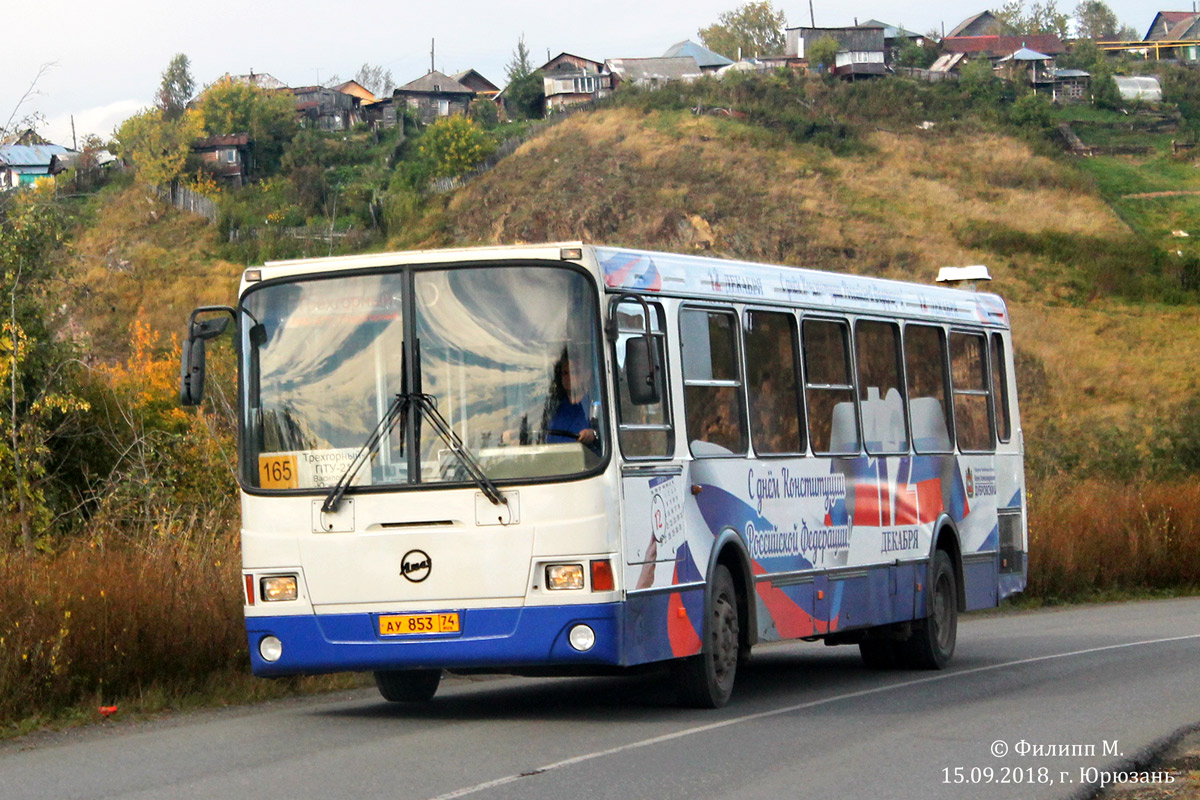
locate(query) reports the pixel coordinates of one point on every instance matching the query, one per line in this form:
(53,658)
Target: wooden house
(24,164)
(860,50)
(326,109)
(653,72)
(434,95)
(569,80)
(227,158)
(478,84)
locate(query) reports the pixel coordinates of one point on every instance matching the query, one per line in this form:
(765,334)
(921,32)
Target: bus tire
(408,685)
(706,680)
(932,642)
(879,653)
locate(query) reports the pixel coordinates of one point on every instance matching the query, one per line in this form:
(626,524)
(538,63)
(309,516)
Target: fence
(926,75)
(185,199)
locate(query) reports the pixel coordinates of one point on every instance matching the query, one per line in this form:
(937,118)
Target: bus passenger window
(774,391)
(928,399)
(1000,389)
(880,389)
(644,431)
(969,377)
(828,385)
(712,387)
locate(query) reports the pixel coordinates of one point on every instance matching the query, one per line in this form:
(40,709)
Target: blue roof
(29,155)
(704,57)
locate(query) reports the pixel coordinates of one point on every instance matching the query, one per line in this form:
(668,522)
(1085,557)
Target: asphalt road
(1089,687)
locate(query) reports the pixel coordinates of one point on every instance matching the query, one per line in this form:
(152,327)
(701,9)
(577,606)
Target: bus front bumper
(499,638)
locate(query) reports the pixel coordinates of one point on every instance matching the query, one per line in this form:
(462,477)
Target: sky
(104,63)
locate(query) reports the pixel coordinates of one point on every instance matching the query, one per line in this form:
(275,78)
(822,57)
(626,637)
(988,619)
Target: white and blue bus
(571,459)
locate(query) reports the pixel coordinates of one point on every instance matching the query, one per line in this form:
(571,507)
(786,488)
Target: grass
(146,626)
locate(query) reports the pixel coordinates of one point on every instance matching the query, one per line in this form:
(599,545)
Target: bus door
(664,587)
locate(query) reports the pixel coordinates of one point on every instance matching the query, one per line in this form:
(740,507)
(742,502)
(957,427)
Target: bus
(572,459)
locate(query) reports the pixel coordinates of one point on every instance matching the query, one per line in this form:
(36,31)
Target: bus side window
(776,412)
(1000,389)
(880,387)
(712,387)
(928,400)
(828,385)
(969,378)
(644,431)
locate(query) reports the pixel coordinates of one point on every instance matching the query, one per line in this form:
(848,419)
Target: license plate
(411,624)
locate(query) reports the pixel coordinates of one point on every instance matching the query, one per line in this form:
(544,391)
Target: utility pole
(811,17)
(431,45)
(74,144)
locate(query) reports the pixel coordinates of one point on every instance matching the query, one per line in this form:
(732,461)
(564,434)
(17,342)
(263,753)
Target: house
(707,60)
(326,109)
(382,113)
(569,80)
(1070,85)
(860,50)
(895,38)
(478,84)
(984,23)
(995,48)
(261,80)
(24,164)
(1176,34)
(653,72)
(434,95)
(356,89)
(227,158)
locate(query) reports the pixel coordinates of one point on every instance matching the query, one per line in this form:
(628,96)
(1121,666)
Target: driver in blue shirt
(567,408)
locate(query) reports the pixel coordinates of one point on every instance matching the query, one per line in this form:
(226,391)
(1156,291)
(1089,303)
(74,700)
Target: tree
(35,363)
(1095,20)
(269,117)
(979,81)
(752,29)
(824,52)
(176,88)
(456,144)
(1040,18)
(524,95)
(377,80)
(159,147)
(521,65)
(1105,93)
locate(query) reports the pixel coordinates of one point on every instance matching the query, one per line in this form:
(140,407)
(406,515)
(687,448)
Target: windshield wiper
(397,410)
(425,404)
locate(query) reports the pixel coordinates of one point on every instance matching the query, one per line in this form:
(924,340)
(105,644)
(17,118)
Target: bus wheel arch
(706,680)
(947,540)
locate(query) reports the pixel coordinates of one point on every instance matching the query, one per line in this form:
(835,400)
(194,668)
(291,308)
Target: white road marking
(712,726)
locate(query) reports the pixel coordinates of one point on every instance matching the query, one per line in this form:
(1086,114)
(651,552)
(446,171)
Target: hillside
(1103,360)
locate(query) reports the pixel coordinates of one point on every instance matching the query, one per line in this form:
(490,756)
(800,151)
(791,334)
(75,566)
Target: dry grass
(145,626)
(145,261)
(1094,537)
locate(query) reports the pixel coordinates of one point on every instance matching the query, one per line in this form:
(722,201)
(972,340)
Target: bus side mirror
(642,371)
(191,378)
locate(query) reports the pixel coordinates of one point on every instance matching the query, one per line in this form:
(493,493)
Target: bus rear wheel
(932,642)
(706,680)
(408,685)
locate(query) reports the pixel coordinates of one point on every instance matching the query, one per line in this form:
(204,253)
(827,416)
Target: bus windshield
(508,355)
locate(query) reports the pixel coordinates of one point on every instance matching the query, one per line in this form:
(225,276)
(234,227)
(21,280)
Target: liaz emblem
(415,566)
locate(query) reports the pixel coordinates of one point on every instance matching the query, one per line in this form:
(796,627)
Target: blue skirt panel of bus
(490,637)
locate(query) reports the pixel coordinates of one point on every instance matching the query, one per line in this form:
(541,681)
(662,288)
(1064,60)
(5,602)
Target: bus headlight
(270,648)
(564,576)
(280,587)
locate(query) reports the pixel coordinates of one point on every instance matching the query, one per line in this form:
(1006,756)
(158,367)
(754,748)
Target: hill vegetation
(122,491)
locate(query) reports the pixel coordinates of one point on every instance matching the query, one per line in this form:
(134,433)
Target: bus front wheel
(933,638)
(408,685)
(706,680)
